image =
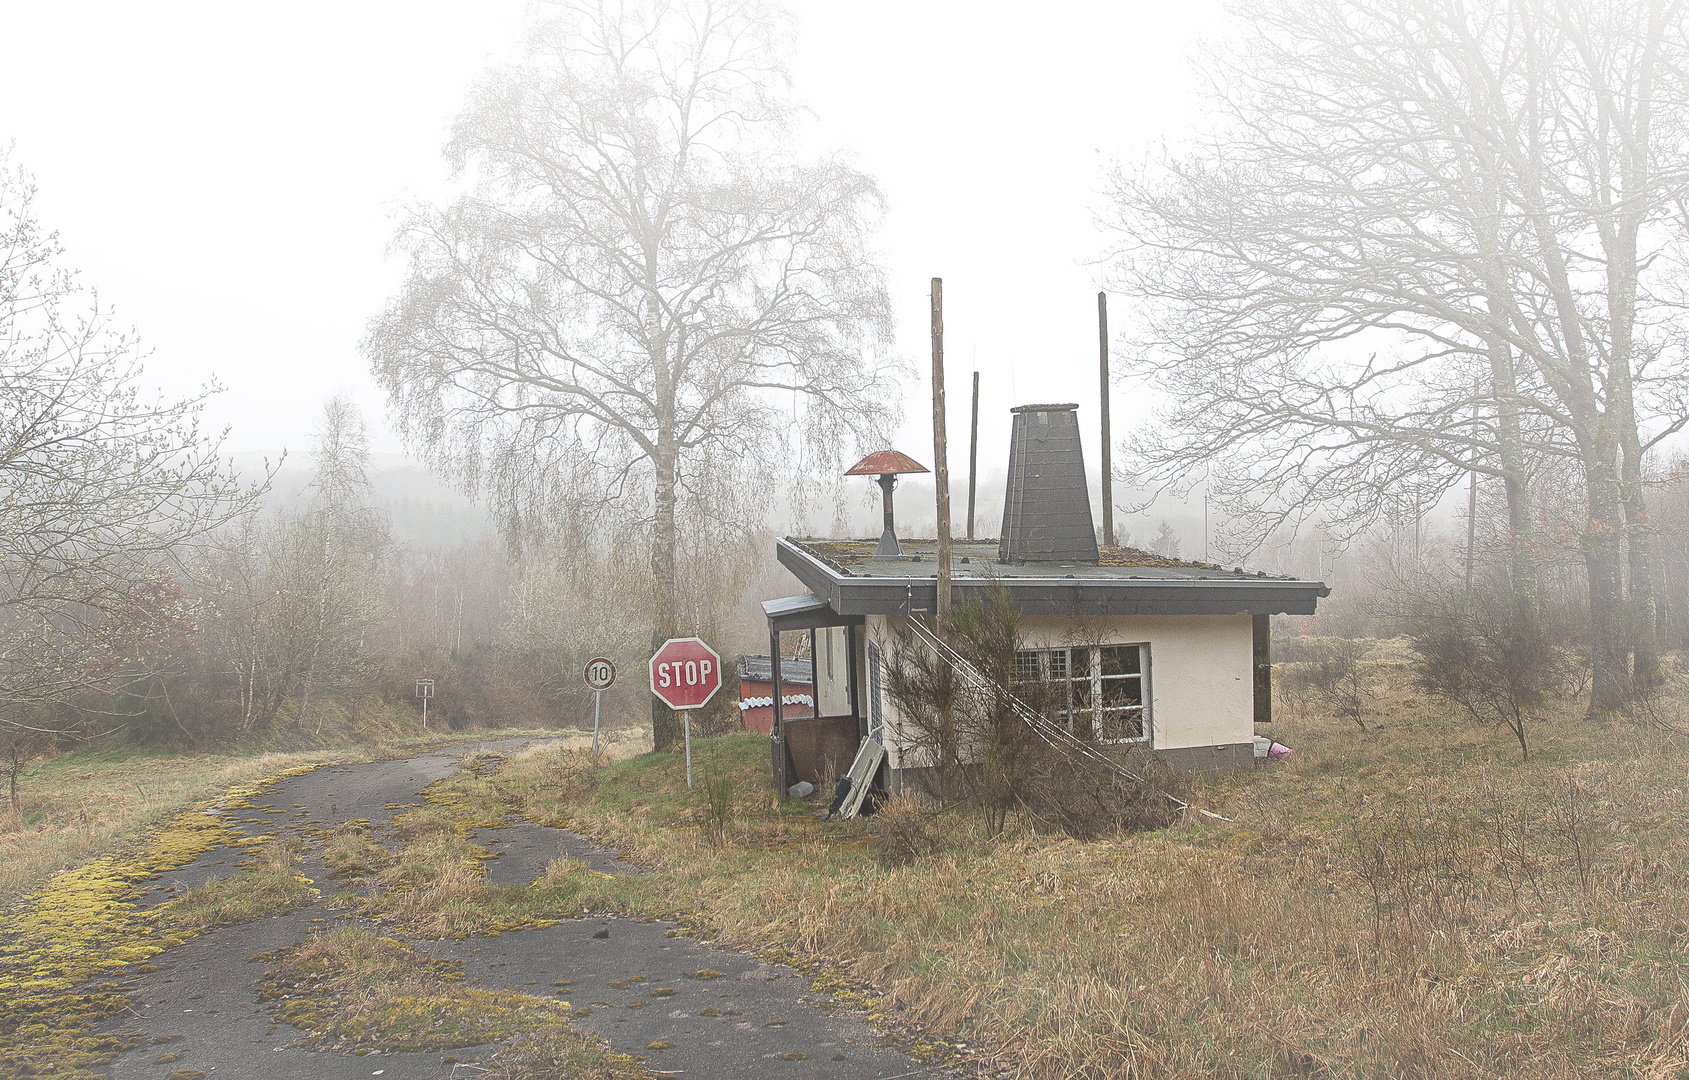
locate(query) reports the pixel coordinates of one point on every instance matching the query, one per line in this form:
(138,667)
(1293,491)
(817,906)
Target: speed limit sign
(600,673)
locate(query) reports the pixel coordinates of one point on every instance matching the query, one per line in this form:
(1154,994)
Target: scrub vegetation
(1412,901)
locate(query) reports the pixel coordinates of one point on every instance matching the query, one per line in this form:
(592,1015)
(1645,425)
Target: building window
(1096,692)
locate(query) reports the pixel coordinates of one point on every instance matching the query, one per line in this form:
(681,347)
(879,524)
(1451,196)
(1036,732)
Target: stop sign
(685,673)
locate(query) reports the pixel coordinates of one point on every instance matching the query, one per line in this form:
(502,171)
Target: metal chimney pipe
(888,539)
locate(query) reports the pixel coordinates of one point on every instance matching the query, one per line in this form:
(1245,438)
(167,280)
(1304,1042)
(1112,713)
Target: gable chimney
(1047,507)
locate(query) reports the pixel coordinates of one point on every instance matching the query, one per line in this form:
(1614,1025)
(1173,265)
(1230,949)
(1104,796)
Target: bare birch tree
(99,488)
(643,274)
(1404,200)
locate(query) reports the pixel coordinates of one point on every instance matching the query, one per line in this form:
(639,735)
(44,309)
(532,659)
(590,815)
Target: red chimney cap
(882,462)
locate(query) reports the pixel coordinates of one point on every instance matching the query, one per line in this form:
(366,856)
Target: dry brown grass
(1414,901)
(79,806)
(352,988)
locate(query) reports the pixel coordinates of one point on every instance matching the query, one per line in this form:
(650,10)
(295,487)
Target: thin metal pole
(686,722)
(777,726)
(425,714)
(1108,461)
(597,696)
(973,458)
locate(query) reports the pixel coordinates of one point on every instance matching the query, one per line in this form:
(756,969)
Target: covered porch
(825,744)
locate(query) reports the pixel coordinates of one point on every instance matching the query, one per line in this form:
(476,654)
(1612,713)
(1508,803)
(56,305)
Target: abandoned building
(1139,650)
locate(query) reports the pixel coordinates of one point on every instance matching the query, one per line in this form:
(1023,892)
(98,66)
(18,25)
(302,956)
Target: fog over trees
(607,319)
(1426,239)
(1406,305)
(101,489)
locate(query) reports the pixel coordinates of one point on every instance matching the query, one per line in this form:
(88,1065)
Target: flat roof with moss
(1123,581)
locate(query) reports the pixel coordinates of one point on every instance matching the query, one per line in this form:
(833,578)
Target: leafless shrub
(1415,869)
(1087,798)
(568,773)
(1328,673)
(1440,863)
(978,745)
(983,748)
(1482,654)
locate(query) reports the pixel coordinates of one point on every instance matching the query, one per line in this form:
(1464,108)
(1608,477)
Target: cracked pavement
(710,1012)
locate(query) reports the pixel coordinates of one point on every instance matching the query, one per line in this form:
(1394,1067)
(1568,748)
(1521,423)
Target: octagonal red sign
(685,673)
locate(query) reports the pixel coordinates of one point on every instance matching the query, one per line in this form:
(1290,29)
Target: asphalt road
(750,1020)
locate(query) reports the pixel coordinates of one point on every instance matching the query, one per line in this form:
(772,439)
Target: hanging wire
(1051,732)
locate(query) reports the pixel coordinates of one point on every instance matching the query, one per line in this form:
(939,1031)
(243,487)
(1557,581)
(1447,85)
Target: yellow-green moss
(84,924)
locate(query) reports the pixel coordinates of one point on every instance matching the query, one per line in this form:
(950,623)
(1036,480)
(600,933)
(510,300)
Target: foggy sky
(230,177)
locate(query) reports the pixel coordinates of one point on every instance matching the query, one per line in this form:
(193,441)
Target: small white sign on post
(600,675)
(425,690)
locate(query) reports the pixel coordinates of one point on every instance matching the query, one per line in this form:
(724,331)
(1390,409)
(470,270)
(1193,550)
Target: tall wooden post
(941,466)
(973,458)
(948,787)
(1108,463)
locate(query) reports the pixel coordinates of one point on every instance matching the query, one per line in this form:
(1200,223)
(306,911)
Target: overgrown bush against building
(999,741)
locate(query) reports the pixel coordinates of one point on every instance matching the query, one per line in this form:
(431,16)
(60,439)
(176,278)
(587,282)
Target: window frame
(1068,713)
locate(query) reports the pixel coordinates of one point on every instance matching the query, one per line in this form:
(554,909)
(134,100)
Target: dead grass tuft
(352,852)
(906,828)
(266,884)
(353,988)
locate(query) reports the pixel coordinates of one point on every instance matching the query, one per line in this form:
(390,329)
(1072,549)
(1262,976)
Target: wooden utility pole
(947,748)
(941,466)
(1108,463)
(973,458)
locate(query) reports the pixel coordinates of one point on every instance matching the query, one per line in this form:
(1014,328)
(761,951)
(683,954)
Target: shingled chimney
(1047,508)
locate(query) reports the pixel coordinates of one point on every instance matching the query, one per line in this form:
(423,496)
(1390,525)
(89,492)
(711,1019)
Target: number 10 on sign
(599,674)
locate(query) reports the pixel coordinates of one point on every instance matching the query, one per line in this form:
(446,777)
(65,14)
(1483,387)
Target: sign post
(599,674)
(425,690)
(685,674)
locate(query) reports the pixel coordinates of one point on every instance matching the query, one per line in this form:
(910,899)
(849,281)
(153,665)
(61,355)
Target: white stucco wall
(1201,690)
(1201,668)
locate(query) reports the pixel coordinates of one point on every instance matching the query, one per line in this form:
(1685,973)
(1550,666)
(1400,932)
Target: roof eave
(849,594)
